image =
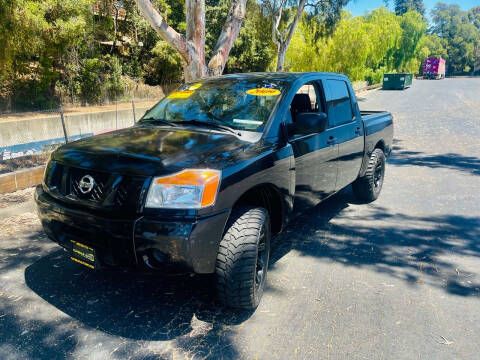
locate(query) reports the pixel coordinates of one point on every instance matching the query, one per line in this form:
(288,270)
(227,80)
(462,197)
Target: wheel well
(268,197)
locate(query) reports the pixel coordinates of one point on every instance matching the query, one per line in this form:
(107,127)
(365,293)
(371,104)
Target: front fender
(273,166)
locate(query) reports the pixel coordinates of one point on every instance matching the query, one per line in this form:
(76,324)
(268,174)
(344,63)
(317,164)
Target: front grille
(110,191)
(98,192)
(121,195)
(128,192)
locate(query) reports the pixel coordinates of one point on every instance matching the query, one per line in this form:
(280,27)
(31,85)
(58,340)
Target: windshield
(242,104)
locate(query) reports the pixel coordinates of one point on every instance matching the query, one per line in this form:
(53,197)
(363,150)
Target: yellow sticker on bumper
(82,245)
(263,92)
(82,262)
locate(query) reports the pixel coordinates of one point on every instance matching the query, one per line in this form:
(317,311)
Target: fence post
(134,116)
(63,125)
(116,115)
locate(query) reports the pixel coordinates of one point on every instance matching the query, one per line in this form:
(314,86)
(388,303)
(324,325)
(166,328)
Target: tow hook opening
(154,258)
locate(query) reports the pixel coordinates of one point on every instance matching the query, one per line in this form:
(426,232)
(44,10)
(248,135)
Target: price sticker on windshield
(185,94)
(263,92)
(195,86)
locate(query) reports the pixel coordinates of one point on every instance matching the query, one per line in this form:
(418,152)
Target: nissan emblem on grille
(86,184)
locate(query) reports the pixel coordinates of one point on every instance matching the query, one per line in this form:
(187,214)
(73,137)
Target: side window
(309,89)
(305,100)
(340,100)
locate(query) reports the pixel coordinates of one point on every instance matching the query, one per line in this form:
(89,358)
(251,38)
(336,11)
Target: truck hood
(152,150)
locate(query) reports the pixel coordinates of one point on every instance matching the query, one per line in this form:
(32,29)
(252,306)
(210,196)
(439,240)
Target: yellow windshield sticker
(185,94)
(263,92)
(195,86)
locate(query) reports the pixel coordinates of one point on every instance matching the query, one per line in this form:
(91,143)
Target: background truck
(434,68)
(211,173)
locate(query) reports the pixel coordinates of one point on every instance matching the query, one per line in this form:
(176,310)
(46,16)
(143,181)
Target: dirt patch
(16,197)
(19,224)
(23,162)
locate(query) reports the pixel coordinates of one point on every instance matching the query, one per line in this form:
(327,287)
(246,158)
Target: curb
(21,179)
(369,87)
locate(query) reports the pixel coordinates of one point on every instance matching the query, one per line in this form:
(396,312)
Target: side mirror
(309,123)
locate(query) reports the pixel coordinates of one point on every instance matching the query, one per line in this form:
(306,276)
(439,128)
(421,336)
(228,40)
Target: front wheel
(242,260)
(367,188)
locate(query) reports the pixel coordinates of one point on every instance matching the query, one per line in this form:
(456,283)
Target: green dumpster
(397,81)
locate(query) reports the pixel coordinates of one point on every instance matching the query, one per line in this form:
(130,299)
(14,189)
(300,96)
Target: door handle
(358,130)
(331,140)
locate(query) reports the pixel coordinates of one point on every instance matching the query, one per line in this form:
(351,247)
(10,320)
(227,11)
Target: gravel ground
(395,279)
(17,197)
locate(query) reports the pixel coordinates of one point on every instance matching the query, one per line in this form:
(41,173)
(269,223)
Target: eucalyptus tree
(191,45)
(286,14)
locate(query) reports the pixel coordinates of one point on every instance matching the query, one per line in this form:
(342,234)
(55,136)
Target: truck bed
(378,127)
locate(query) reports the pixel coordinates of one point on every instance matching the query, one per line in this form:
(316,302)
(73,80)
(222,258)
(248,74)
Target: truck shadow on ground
(133,305)
(418,250)
(128,303)
(453,161)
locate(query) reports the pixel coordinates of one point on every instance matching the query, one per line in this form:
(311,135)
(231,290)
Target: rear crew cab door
(314,155)
(348,128)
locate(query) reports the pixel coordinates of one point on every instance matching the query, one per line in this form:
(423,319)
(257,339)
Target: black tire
(367,188)
(242,260)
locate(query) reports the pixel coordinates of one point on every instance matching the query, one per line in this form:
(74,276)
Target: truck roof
(279,76)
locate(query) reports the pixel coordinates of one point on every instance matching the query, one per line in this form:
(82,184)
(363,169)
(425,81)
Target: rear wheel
(368,187)
(242,259)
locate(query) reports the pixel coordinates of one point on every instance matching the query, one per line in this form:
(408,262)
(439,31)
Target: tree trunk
(115,27)
(165,31)
(192,46)
(195,66)
(283,40)
(281,50)
(229,33)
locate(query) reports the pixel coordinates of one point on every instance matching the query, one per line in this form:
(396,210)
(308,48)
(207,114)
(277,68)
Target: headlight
(188,189)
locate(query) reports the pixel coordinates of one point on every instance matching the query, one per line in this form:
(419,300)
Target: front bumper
(128,241)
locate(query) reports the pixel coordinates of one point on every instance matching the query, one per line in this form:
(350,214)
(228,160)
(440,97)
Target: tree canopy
(403,6)
(460,32)
(93,51)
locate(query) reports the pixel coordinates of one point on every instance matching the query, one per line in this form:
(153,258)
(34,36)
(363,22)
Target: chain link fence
(26,139)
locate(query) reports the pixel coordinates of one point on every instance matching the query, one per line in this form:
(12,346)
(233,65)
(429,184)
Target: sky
(358,7)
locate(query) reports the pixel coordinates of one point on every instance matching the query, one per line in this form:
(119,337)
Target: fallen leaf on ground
(444,341)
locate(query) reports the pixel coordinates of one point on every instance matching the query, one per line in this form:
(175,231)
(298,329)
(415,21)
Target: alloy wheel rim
(378,174)
(260,265)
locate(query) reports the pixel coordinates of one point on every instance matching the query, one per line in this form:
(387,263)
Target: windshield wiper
(211,124)
(162,121)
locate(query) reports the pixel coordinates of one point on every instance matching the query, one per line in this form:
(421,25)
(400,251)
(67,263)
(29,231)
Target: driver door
(315,154)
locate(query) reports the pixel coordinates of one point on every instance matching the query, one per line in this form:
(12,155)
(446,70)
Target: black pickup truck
(211,173)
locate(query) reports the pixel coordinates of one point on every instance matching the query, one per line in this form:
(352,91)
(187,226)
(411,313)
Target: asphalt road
(395,279)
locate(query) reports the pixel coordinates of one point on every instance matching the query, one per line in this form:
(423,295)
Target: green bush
(375,76)
(34,90)
(165,67)
(32,94)
(91,81)
(115,82)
